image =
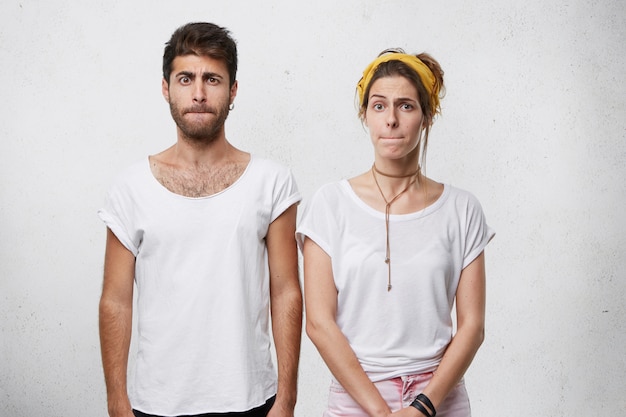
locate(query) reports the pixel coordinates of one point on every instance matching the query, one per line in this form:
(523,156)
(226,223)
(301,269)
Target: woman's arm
(470,310)
(320,296)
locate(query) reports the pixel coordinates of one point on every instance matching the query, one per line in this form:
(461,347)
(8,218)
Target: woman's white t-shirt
(406,330)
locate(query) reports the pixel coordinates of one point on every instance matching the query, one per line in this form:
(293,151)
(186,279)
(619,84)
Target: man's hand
(280,410)
(120,408)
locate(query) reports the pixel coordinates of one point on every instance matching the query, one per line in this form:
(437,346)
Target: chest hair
(198,181)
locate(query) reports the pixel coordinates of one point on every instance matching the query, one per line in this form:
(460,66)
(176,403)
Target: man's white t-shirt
(203,288)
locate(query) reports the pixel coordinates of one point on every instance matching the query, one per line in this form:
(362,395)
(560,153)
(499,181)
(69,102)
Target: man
(206,232)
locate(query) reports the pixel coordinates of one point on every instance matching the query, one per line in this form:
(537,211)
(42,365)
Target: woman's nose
(392,120)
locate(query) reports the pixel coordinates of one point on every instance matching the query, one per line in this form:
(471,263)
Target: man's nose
(199,94)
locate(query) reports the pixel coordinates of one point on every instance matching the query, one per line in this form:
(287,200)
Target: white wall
(533,124)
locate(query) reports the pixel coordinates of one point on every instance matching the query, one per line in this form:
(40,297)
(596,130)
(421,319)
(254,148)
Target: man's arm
(116,307)
(286,308)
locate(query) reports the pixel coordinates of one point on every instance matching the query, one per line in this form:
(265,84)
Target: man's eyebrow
(205,75)
(185,74)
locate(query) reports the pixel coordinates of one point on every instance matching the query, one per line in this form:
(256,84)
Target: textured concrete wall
(533,124)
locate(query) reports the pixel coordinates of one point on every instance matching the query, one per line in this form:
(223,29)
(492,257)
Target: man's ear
(233,91)
(165,90)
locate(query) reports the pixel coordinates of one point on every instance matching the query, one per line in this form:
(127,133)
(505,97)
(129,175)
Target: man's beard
(197,131)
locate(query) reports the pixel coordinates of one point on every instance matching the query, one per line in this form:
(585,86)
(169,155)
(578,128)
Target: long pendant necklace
(387,209)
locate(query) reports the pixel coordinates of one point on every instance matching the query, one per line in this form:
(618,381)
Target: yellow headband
(425,74)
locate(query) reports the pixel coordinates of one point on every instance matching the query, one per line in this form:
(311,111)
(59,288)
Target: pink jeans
(399,393)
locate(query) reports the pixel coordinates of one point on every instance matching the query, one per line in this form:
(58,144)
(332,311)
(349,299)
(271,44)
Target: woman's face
(394,118)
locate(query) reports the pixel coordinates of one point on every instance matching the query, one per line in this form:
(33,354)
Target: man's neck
(189,152)
(196,169)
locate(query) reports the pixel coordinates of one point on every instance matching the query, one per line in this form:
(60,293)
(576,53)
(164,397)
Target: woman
(387,253)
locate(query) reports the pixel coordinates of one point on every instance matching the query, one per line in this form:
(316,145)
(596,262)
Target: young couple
(207,235)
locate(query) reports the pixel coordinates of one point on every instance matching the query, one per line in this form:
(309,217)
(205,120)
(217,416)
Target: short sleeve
(115,218)
(478,233)
(119,210)
(286,193)
(318,221)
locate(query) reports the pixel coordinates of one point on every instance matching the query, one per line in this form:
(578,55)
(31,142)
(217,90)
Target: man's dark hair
(202,39)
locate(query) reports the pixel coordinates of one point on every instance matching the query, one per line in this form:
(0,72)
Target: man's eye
(377,106)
